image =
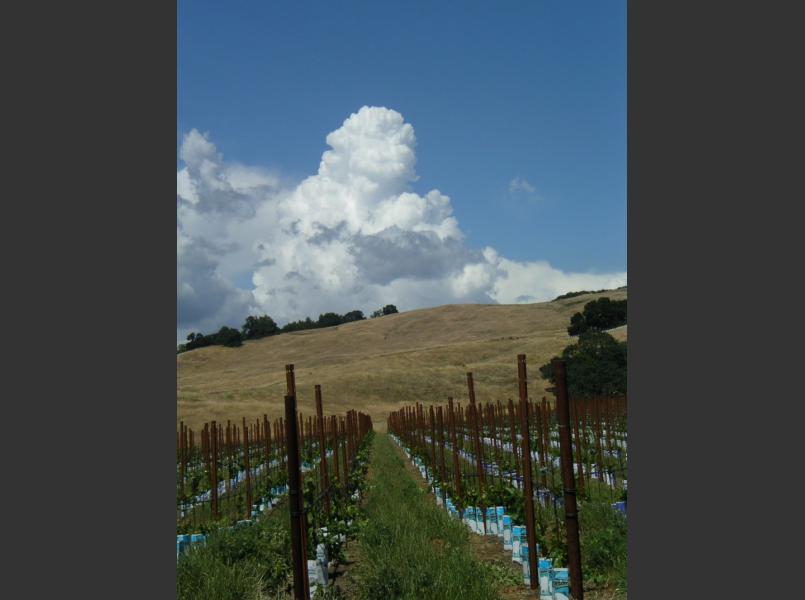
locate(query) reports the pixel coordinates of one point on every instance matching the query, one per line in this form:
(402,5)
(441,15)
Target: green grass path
(410,549)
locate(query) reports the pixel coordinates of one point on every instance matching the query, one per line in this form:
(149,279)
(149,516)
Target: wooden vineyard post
(181,455)
(432,442)
(514,443)
(597,432)
(479,453)
(334,434)
(571,514)
(267,441)
(290,383)
(451,425)
(493,425)
(541,445)
(325,476)
(440,427)
(578,454)
(214,473)
(301,590)
(248,469)
(528,490)
(344,452)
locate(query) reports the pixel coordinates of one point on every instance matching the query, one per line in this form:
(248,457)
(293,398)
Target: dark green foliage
(603,544)
(238,564)
(259,327)
(329,319)
(574,294)
(598,315)
(198,340)
(308,323)
(355,315)
(389,309)
(596,366)
(227,336)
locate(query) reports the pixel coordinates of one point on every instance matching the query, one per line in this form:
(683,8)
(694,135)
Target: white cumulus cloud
(354,235)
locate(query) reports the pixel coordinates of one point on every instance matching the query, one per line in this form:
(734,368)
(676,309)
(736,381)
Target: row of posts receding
(279,443)
(492,426)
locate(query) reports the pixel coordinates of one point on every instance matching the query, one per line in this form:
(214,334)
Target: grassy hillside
(380,364)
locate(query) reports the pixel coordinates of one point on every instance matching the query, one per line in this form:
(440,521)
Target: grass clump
(412,549)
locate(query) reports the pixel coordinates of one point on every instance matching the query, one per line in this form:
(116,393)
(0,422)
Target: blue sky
(496,92)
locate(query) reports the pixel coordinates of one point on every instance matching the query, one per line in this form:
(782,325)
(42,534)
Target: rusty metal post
(182,452)
(571,514)
(432,420)
(334,435)
(528,489)
(451,424)
(578,453)
(479,452)
(343,428)
(514,442)
(440,427)
(325,476)
(248,470)
(300,584)
(214,473)
(290,381)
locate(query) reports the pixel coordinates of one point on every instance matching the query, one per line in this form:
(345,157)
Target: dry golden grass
(379,365)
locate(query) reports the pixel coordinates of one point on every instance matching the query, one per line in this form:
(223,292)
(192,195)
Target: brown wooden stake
(440,427)
(214,478)
(571,514)
(578,453)
(451,423)
(301,587)
(325,476)
(514,442)
(334,434)
(528,490)
(248,470)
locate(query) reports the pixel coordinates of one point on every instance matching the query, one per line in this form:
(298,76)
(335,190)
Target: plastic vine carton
(492,521)
(313,574)
(526,566)
(516,529)
(560,584)
(507,532)
(321,559)
(544,566)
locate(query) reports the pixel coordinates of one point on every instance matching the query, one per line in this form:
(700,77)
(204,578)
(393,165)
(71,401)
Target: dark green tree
(228,336)
(598,315)
(259,327)
(596,366)
(329,319)
(389,309)
(354,315)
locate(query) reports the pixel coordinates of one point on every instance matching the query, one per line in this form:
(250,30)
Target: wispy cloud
(518,184)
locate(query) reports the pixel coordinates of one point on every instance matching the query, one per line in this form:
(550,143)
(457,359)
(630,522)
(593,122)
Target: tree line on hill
(255,328)
(582,292)
(596,363)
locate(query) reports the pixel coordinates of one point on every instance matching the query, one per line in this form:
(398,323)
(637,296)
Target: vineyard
(323,507)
